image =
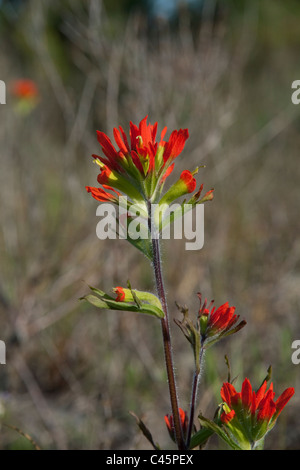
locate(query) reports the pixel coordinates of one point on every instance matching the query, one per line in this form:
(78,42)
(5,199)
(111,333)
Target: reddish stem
(166,336)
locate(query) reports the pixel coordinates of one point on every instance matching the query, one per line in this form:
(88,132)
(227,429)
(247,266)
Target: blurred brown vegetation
(73,373)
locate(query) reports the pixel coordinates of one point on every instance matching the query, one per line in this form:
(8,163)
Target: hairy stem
(166,334)
(195,385)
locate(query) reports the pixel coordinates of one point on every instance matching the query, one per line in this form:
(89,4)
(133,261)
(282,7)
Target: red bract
(103,196)
(252,413)
(141,148)
(120,294)
(142,160)
(175,144)
(189,181)
(218,322)
(170,423)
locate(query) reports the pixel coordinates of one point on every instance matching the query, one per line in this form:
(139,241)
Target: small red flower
(170,423)
(217,322)
(188,180)
(25,88)
(120,294)
(253,413)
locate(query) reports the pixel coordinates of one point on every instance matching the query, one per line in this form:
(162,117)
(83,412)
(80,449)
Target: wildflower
(210,326)
(249,415)
(135,169)
(24,89)
(217,323)
(140,164)
(170,423)
(26,96)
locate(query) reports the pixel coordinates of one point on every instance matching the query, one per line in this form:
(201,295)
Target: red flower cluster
(252,413)
(142,149)
(170,423)
(140,164)
(218,321)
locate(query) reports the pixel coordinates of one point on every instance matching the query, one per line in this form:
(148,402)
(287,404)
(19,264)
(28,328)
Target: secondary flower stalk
(211,325)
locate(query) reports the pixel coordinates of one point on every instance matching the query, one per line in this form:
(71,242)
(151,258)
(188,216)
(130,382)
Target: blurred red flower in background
(24,88)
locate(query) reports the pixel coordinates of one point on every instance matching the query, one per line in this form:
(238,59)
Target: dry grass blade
(24,434)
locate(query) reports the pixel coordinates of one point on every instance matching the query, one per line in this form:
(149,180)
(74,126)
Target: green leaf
(101,293)
(200,437)
(106,302)
(143,245)
(143,242)
(220,432)
(145,430)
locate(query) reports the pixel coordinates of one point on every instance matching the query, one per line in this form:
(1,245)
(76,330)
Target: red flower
(143,147)
(170,423)
(25,88)
(141,160)
(120,294)
(218,321)
(253,413)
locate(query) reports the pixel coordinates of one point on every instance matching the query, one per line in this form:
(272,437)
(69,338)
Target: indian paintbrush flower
(24,88)
(140,164)
(133,174)
(217,323)
(26,95)
(210,326)
(249,415)
(170,423)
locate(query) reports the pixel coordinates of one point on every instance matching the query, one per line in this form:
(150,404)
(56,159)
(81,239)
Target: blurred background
(224,70)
